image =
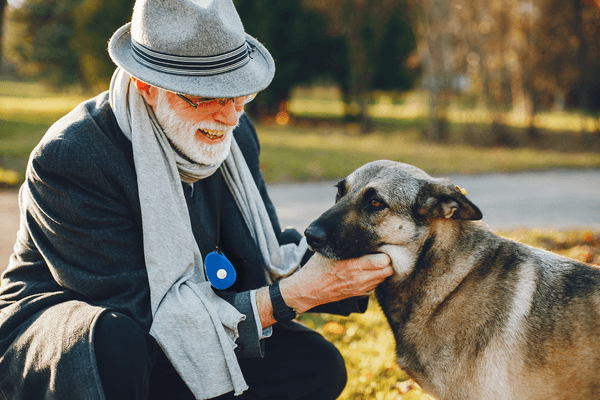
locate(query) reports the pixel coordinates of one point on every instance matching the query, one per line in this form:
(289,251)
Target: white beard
(181,134)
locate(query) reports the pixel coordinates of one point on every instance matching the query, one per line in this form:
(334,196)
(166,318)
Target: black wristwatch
(281,311)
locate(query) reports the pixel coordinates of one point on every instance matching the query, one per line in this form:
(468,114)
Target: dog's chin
(334,255)
(403,259)
(327,252)
(347,253)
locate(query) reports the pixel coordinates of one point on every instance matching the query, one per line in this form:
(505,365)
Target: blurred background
(452,86)
(469,75)
(485,74)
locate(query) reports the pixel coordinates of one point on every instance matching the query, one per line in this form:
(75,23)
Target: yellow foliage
(367,345)
(9,177)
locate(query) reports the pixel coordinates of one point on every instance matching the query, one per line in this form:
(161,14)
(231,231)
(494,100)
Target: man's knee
(333,373)
(316,365)
(125,355)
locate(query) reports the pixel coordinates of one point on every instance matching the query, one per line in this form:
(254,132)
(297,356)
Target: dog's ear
(436,200)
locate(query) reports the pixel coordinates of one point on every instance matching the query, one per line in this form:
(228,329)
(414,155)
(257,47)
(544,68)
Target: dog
(474,316)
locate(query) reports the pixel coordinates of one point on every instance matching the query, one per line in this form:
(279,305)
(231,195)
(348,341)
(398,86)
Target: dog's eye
(374,203)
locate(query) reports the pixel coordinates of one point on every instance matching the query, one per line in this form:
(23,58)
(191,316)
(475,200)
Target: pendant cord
(193,209)
(218,213)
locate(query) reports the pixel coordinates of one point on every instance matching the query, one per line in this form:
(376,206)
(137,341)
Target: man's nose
(227,114)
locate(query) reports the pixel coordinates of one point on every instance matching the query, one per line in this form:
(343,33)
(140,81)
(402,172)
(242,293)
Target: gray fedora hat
(194,47)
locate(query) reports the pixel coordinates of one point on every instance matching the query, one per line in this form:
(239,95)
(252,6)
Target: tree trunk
(3,4)
(520,110)
(359,77)
(433,28)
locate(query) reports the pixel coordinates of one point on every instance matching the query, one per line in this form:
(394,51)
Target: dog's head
(385,203)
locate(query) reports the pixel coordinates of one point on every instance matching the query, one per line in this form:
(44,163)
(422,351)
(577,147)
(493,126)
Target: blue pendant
(219,271)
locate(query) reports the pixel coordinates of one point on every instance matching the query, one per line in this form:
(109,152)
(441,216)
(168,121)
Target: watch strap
(281,311)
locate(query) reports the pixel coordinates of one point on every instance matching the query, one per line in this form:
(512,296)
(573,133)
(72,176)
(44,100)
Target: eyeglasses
(209,106)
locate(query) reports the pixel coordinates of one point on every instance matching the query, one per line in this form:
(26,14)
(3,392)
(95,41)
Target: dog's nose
(315,236)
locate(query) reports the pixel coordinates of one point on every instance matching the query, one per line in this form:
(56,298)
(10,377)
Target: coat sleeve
(81,217)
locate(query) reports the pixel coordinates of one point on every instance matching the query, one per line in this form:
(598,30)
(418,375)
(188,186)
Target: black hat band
(192,65)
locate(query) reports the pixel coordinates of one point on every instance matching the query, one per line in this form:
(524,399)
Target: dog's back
(475,316)
(508,322)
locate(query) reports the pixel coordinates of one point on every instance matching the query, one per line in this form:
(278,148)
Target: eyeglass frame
(221,101)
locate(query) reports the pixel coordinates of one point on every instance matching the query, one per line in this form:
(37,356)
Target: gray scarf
(195,328)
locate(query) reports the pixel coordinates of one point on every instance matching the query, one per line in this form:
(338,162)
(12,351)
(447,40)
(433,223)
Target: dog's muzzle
(316,237)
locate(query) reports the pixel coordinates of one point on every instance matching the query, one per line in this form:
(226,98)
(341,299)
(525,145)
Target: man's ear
(436,200)
(148,92)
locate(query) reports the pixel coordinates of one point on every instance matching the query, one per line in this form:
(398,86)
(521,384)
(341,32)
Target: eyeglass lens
(214,105)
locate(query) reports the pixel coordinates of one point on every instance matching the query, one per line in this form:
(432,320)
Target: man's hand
(323,280)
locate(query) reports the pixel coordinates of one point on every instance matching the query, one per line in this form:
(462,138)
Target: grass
(367,344)
(26,111)
(318,146)
(325,102)
(304,153)
(325,148)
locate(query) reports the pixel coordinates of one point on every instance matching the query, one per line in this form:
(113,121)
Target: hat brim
(253,77)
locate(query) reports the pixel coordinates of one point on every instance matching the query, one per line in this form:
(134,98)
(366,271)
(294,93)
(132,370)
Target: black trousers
(299,364)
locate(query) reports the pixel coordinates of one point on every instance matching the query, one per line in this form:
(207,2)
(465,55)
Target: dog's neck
(427,260)
(440,265)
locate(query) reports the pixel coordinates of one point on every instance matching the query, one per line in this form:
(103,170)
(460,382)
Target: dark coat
(79,252)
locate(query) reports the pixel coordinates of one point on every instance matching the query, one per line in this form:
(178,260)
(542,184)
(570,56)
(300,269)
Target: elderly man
(130,198)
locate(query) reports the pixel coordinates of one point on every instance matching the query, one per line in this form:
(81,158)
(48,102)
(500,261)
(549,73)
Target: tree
(393,71)
(95,21)
(515,53)
(63,42)
(377,41)
(561,55)
(3,4)
(435,51)
(296,37)
(43,45)
(585,91)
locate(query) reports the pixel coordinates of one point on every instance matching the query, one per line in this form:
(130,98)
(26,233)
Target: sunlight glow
(16,3)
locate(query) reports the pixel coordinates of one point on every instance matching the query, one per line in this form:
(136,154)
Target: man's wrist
(293,291)
(297,293)
(281,310)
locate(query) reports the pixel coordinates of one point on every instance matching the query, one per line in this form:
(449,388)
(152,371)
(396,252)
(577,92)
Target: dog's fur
(474,316)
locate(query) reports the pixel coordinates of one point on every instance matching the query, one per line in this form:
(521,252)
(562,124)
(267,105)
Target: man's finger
(376,260)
